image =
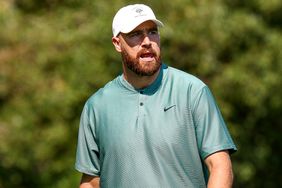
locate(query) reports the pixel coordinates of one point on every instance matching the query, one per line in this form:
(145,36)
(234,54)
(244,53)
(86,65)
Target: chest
(144,122)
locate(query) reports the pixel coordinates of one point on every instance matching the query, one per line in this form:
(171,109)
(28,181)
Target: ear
(116,43)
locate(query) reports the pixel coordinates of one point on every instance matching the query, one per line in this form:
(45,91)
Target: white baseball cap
(129,17)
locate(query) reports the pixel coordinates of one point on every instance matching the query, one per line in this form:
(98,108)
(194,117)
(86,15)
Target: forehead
(145,25)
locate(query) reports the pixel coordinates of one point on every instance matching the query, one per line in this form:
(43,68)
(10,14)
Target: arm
(88,181)
(220,169)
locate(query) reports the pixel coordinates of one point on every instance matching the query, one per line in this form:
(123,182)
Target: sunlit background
(55,53)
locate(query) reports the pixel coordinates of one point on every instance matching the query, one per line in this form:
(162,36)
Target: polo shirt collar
(151,89)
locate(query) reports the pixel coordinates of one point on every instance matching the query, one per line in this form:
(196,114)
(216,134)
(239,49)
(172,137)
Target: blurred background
(55,53)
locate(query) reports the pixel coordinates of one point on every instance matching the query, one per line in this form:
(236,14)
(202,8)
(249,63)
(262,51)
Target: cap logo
(139,10)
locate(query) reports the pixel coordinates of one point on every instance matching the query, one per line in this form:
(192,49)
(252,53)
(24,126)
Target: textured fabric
(157,137)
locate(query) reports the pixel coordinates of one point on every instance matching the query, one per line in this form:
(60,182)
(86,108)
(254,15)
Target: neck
(137,81)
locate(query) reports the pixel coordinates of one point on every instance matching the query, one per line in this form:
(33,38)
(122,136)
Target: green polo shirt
(156,137)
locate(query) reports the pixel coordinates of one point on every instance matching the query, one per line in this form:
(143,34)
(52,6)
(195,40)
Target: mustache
(141,52)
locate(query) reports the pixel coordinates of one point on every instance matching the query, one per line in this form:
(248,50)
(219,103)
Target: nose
(146,43)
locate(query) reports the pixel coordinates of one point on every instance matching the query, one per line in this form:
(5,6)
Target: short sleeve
(87,154)
(211,131)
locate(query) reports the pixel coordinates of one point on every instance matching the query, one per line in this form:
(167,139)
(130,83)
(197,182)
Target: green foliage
(55,54)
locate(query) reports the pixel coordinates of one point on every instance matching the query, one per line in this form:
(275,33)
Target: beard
(141,69)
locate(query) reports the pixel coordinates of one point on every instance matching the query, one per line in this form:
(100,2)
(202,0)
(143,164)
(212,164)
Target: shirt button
(141,103)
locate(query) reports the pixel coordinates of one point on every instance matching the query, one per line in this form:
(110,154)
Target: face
(140,49)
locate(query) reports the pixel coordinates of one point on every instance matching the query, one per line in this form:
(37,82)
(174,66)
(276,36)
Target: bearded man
(153,126)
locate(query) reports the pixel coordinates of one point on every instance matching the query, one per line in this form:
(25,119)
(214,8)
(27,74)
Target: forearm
(220,178)
(220,169)
(87,185)
(89,182)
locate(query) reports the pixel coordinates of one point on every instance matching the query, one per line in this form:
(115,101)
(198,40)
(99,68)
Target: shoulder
(183,79)
(104,93)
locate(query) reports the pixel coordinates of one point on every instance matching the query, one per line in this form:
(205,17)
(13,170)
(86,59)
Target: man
(153,126)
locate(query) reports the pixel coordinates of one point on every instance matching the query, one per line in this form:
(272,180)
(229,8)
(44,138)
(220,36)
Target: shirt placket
(141,107)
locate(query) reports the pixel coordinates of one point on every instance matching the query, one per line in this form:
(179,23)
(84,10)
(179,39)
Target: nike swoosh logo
(169,107)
